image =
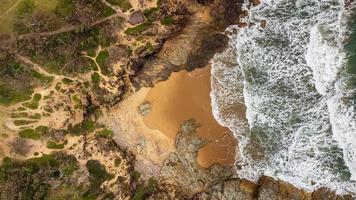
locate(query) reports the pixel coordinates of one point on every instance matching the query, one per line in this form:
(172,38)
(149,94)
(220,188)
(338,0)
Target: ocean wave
(290,76)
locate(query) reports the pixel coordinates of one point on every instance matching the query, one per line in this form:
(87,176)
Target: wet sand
(184,96)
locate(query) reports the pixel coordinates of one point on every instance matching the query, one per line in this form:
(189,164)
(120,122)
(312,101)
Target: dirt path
(36,67)
(68,28)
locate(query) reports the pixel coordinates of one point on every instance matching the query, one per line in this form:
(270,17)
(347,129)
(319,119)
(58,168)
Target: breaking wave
(296,78)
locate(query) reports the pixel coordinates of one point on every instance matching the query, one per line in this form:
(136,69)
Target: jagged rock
(136,17)
(225,190)
(144,108)
(182,169)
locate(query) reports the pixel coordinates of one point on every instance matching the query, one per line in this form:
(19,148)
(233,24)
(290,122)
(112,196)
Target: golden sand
(184,96)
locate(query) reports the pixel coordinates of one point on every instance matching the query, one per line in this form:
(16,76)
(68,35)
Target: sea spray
(301,116)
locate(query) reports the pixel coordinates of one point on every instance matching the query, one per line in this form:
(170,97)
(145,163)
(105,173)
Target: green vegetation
(65,8)
(167,21)
(21,109)
(149,46)
(95,78)
(34,164)
(101,59)
(67,81)
(23,122)
(105,133)
(77,101)
(97,176)
(69,168)
(35,116)
(54,145)
(26,115)
(123,4)
(42,130)
(91,52)
(30,134)
(25,8)
(87,126)
(49,53)
(142,190)
(45,80)
(13,75)
(102,9)
(34,177)
(19,115)
(12,95)
(150,14)
(136,175)
(117,162)
(34,103)
(138,29)
(48,15)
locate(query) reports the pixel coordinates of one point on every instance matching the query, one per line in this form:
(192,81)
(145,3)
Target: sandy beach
(185,96)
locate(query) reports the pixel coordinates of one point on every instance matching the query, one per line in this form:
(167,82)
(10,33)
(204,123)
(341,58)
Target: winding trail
(68,28)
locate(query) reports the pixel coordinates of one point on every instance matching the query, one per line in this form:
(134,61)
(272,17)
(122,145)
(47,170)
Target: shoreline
(186,95)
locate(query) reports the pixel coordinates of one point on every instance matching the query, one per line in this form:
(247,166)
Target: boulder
(136,18)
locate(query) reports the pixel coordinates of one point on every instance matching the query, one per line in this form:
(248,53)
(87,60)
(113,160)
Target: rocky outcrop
(182,170)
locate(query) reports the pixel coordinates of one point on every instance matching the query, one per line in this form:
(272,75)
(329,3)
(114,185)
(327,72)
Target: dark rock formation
(136,17)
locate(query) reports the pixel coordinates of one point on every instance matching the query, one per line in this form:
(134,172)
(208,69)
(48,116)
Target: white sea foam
(300,129)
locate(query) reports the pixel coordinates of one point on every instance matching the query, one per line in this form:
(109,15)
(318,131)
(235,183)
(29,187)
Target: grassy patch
(43,130)
(49,51)
(117,162)
(167,21)
(30,134)
(23,122)
(67,81)
(105,133)
(45,80)
(34,103)
(123,4)
(10,96)
(142,190)
(65,8)
(35,116)
(101,59)
(77,101)
(95,78)
(150,14)
(91,52)
(69,168)
(136,175)
(97,173)
(25,8)
(34,164)
(87,126)
(54,145)
(19,115)
(138,29)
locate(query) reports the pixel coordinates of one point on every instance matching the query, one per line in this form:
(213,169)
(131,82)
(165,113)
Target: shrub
(123,4)
(95,78)
(105,133)
(54,145)
(138,29)
(167,21)
(11,95)
(101,60)
(30,134)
